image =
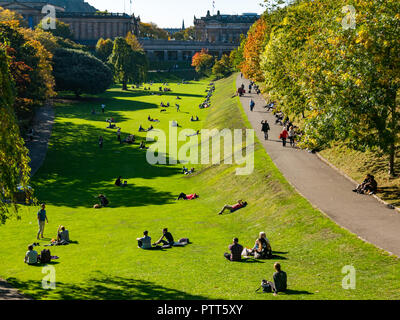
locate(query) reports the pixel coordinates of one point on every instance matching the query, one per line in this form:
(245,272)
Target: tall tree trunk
(124,84)
(392,154)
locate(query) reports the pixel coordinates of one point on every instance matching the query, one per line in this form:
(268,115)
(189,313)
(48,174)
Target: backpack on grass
(45,256)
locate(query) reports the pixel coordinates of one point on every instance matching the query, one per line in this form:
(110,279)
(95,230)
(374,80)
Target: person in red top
(232,208)
(284,135)
(187,197)
(236,251)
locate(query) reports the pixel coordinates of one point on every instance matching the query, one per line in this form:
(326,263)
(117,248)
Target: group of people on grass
(210,91)
(31,256)
(166,239)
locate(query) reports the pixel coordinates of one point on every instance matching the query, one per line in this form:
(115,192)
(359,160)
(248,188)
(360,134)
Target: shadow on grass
(295,292)
(390,194)
(76,170)
(103,287)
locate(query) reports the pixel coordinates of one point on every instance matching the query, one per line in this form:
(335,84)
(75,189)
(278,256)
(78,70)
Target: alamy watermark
(349,280)
(349,21)
(197,149)
(49,21)
(49,280)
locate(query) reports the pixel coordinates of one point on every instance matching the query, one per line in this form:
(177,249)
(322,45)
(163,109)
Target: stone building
(222,27)
(87,27)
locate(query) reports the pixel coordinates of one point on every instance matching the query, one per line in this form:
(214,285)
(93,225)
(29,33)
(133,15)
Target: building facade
(87,27)
(223,28)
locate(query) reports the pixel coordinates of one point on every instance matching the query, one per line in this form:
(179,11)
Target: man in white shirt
(31,256)
(145,241)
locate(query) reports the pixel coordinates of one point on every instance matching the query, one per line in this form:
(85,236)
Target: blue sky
(170,13)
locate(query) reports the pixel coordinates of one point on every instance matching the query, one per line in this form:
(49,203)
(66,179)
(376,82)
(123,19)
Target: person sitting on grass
(118,182)
(145,241)
(168,236)
(103,201)
(187,197)
(262,248)
(142,145)
(62,235)
(31,256)
(236,251)
(150,128)
(130,139)
(141,128)
(240,204)
(280,280)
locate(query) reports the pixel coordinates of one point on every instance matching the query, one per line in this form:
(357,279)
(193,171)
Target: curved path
(323,186)
(42,125)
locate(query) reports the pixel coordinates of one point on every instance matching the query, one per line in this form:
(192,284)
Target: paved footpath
(42,125)
(323,186)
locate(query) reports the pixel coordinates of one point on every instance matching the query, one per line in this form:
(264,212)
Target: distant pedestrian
(252,104)
(292,136)
(265,128)
(177,107)
(101,142)
(42,218)
(103,106)
(119,135)
(284,135)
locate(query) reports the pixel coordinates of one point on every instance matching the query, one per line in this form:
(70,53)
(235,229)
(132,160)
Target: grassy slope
(106,264)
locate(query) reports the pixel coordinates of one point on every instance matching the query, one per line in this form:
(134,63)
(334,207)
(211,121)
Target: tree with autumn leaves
(14,160)
(203,62)
(343,81)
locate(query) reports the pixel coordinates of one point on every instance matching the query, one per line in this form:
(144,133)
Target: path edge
(324,160)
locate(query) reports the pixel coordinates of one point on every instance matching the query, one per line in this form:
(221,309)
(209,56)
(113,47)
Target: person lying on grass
(187,197)
(236,251)
(240,204)
(145,241)
(169,239)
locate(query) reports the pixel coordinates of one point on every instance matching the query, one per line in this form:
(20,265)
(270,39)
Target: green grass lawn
(106,263)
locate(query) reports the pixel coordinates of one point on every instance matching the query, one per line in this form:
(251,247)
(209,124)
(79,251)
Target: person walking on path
(292,136)
(103,106)
(265,128)
(101,142)
(252,104)
(42,218)
(284,135)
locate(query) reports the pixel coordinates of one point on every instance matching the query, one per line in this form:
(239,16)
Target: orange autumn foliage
(255,44)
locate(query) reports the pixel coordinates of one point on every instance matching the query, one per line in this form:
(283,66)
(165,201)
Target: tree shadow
(103,287)
(76,170)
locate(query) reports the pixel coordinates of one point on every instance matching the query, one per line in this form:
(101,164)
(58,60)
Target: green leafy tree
(152,31)
(62,29)
(222,67)
(14,160)
(129,65)
(80,72)
(104,49)
(203,62)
